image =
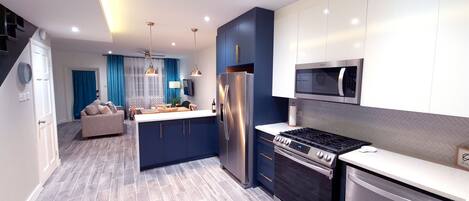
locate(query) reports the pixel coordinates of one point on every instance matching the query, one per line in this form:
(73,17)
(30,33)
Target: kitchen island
(174,137)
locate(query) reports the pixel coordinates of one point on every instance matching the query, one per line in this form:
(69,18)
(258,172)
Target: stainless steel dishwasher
(362,186)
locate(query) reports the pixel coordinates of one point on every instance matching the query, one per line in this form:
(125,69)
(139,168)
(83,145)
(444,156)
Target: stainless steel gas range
(305,164)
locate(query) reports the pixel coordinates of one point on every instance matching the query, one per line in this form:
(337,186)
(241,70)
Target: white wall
(204,86)
(18,149)
(64,61)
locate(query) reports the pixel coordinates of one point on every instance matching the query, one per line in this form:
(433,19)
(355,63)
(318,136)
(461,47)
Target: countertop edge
(275,128)
(174,116)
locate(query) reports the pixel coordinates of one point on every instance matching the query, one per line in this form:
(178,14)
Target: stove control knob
(276,138)
(284,140)
(288,142)
(328,158)
(320,154)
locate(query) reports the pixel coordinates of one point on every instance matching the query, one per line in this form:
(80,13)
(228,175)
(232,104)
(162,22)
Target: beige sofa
(102,124)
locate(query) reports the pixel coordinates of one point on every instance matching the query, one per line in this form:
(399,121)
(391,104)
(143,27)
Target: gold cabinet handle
(237,53)
(265,139)
(268,179)
(161,131)
(265,156)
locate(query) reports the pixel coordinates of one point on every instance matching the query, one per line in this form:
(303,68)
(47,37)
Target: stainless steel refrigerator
(235,125)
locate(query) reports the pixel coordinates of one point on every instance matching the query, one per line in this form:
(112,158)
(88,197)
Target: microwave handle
(341,81)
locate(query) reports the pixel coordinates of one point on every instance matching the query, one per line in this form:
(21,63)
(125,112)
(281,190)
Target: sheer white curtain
(140,90)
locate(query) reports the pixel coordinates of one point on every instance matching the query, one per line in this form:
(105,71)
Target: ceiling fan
(146,52)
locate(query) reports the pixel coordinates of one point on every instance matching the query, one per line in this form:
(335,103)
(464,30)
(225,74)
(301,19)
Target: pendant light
(151,70)
(195,70)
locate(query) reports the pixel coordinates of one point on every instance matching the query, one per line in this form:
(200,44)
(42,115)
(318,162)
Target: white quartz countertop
(275,129)
(173,116)
(441,180)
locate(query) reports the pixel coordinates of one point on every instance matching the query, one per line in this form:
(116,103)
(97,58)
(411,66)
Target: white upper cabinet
(285,48)
(450,92)
(312,31)
(399,54)
(346,28)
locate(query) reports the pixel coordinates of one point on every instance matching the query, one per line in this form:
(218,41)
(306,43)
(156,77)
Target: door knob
(41,122)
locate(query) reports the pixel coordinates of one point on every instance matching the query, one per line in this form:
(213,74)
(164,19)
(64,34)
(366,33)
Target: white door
(44,109)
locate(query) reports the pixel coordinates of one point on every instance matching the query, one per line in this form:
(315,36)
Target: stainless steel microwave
(335,81)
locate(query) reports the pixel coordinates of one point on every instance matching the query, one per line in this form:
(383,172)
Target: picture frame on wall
(463,156)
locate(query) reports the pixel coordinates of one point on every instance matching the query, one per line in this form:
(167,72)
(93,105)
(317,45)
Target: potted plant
(175,101)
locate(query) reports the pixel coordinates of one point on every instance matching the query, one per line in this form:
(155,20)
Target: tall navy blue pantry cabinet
(246,43)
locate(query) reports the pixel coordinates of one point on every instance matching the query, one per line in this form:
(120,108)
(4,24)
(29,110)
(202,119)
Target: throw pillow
(104,109)
(96,102)
(112,106)
(91,110)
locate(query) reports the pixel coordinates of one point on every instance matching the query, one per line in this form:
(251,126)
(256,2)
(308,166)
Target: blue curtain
(84,90)
(172,74)
(116,79)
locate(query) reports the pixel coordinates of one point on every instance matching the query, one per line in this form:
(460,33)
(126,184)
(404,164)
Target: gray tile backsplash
(426,136)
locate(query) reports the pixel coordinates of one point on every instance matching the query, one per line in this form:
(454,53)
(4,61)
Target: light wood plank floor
(104,169)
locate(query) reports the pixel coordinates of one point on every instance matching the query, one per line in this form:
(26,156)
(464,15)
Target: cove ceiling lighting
(112,9)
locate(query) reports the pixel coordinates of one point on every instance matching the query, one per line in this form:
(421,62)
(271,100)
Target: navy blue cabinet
(245,37)
(174,141)
(201,137)
(246,44)
(265,160)
(236,40)
(167,142)
(150,144)
(231,43)
(221,63)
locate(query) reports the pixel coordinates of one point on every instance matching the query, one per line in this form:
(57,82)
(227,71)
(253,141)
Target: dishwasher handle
(375,189)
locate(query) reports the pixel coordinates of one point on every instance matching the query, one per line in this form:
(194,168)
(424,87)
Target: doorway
(44,110)
(84,90)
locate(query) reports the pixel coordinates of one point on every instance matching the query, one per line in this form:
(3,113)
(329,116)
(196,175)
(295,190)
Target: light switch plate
(463,157)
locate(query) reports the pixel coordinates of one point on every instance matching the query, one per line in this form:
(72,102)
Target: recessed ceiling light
(109,52)
(357,45)
(354,21)
(75,29)
(326,11)
(207,18)
(173,44)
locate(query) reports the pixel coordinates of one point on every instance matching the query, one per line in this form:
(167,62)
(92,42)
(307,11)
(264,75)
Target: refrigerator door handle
(225,101)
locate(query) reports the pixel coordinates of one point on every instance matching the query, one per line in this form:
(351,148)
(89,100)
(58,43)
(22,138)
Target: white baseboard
(35,194)
(61,121)
(38,189)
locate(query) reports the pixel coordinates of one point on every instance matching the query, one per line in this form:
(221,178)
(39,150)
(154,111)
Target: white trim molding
(35,194)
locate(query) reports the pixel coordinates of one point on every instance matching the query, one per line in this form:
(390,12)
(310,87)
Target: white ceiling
(58,16)
(173,18)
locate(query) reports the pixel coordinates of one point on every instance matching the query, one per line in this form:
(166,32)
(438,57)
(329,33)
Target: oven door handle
(341,81)
(323,171)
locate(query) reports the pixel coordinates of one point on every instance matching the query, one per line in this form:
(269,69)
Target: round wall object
(43,34)
(25,73)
